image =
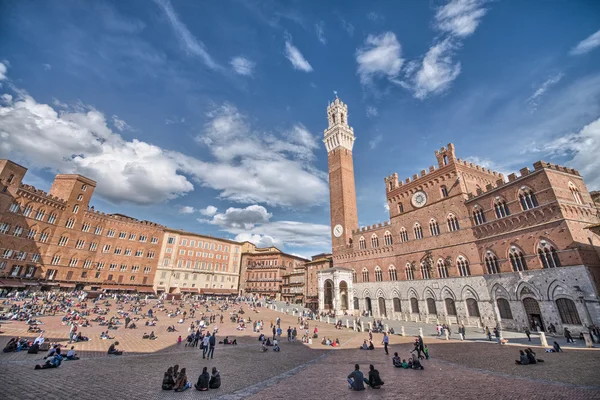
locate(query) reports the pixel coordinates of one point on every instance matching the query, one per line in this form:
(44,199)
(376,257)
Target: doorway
(368,306)
(382,310)
(534,314)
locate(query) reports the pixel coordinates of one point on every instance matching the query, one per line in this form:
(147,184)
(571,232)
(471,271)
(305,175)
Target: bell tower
(339,140)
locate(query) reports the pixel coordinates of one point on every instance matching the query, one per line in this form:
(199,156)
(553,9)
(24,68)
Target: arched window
(403,235)
(353,276)
(75,208)
(425,271)
(356,306)
(362,244)
(478,215)
(568,312)
(414,305)
(434,228)
(517,259)
(504,308)
(491,263)
(14,207)
(387,238)
(450,306)
(463,266)
(378,274)
(442,269)
(365,275)
(501,208)
(431,308)
(575,193)
(444,191)
(452,223)
(472,308)
(527,198)
(397,305)
(418,231)
(63,240)
(400,208)
(393,273)
(548,255)
(374,241)
(410,274)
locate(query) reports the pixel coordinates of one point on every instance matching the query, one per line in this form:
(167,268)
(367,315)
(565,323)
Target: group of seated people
(329,342)
(267,342)
(357,381)
(171,328)
(413,362)
(227,341)
(105,336)
(150,336)
(16,344)
(81,338)
(555,348)
(367,346)
(527,357)
(175,379)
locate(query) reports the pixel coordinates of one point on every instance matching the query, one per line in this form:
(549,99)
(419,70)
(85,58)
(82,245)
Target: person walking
(568,336)
(386,341)
(212,341)
(528,333)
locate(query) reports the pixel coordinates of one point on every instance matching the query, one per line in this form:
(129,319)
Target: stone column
(354,325)
(543,340)
(337,304)
(420,331)
(402,330)
(589,343)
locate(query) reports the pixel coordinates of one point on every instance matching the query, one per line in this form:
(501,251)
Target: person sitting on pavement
(203,380)
(556,347)
(374,381)
(523,359)
(263,347)
(182,384)
(356,379)
(113,349)
(276,345)
(531,355)
(371,347)
(416,364)
(168,382)
(215,379)
(51,362)
(268,343)
(71,354)
(404,364)
(396,362)
(261,338)
(364,346)
(227,341)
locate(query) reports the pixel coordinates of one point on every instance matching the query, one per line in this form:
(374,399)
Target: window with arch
(374,241)
(527,198)
(517,259)
(63,240)
(418,231)
(491,263)
(425,274)
(575,193)
(403,235)
(442,269)
(52,218)
(478,215)
(444,191)
(568,312)
(548,255)
(362,243)
(434,228)
(410,274)
(356,306)
(70,223)
(75,208)
(400,207)
(387,238)
(504,309)
(365,275)
(393,273)
(450,306)
(354,280)
(378,274)
(414,305)
(452,223)
(501,208)
(39,215)
(14,207)
(463,266)
(397,304)
(472,308)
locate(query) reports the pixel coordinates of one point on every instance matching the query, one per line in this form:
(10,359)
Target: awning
(67,285)
(188,290)
(145,290)
(11,283)
(31,283)
(214,291)
(49,284)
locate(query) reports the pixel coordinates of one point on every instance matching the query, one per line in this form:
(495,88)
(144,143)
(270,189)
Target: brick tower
(339,140)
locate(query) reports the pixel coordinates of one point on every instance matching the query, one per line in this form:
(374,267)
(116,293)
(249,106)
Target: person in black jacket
(215,379)
(374,381)
(212,341)
(168,382)
(203,380)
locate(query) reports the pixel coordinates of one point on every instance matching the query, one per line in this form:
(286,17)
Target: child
(426,351)
(396,362)
(179,340)
(404,364)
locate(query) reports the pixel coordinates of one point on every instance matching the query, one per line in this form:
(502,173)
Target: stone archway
(368,305)
(343,288)
(382,309)
(329,294)
(534,314)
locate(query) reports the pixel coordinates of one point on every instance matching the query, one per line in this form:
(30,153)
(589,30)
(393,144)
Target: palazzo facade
(465,245)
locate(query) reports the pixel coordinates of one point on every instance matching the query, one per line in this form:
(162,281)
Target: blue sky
(209,116)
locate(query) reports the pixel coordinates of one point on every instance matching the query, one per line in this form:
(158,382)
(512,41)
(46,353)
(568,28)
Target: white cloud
(242,65)
(189,43)
(386,207)
(174,120)
(296,58)
(375,17)
(209,211)
(587,45)
(3,70)
(258,240)
(320,30)
(47,67)
(240,218)
(535,98)
(372,111)
(187,210)
(120,124)
(348,27)
(375,141)
(460,17)
(379,56)
(436,71)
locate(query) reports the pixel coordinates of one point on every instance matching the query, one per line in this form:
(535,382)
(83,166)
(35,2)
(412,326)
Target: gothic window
(434,228)
(527,198)
(478,215)
(463,266)
(517,259)
(365,275)
(414,305)
(472,308)
(504,308)
(14,207)
(418,231)
(444,191)
(397,305)
(501,208)
(354,280)
(424,271)
(575,193)
(403,235)
(374,241)
(491,263)
(568,312)
(63,241)
(400,208)
(410,274)
(378,274)
(393,273)
(548,255)
(431,308)
(450,306)
(452,223)
(387,238)
(362,244)
(445,159)
(442,269)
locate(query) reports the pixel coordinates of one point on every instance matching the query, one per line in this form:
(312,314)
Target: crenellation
(512,177)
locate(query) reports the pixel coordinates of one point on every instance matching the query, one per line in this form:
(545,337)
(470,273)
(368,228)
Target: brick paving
(457,369)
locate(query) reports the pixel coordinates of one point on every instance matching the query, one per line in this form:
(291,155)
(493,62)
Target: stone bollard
(402,330)
(328,319)
(589,343)
(386,327)
(446,334)
(362,326)
(354,325)
(370,326)
(420,331)
(348,324)
(543,339)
